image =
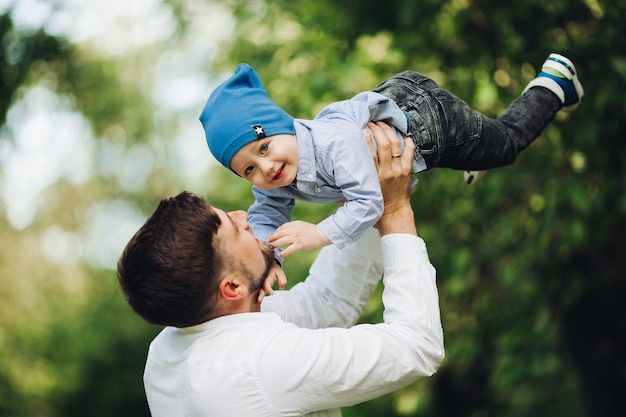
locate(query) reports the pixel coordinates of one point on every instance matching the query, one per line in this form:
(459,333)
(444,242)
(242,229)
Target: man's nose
(240,218)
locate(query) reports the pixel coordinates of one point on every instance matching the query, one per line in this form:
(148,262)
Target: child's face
(268,163)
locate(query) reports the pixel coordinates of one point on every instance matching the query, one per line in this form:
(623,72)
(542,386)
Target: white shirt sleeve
(309,370)
(339,285)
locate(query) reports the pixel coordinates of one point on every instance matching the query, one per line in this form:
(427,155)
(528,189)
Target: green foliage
(20,52)
(530,259)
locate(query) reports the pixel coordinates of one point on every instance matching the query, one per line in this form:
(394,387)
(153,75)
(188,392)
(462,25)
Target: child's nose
(267,168)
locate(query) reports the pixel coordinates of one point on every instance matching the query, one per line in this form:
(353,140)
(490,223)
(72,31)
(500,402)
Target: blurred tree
(17,55)
(68,343)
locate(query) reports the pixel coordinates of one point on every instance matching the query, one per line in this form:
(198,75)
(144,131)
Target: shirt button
(310,176)
(318,189)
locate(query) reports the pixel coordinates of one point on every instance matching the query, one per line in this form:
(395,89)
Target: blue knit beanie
(238,112)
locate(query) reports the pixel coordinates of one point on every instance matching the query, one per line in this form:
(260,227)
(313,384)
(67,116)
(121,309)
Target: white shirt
(286,361)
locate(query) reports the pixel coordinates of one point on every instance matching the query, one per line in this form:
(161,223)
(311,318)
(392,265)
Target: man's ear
(232,287)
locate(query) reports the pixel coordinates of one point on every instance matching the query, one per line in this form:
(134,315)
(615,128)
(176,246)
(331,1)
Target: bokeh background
(99,102)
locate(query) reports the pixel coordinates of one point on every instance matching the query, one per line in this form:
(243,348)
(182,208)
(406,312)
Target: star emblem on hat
(258,131)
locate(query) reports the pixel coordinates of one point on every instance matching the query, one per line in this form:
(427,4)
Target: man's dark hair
(169,269)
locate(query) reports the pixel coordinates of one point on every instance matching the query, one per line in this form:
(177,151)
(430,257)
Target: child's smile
(280,173)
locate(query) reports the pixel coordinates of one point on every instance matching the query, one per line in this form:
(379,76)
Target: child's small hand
(276,275)
(299,236)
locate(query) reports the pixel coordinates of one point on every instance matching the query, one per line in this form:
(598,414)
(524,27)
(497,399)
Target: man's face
(268,163)
(254,257)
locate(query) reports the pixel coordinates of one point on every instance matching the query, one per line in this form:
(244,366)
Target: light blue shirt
(335,163)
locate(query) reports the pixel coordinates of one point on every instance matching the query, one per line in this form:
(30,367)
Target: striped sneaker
(558,75)
(471,177)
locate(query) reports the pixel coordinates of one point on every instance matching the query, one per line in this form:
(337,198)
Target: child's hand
(299,236)
(275,275)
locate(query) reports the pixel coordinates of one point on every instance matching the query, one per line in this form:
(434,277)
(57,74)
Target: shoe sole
(472,177)
(559,63)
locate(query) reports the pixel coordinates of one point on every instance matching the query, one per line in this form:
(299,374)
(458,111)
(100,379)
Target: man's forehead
(223,216)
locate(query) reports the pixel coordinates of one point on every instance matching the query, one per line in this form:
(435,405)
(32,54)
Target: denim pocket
(462,123)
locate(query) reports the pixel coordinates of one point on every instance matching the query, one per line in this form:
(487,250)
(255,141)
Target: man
(229,352)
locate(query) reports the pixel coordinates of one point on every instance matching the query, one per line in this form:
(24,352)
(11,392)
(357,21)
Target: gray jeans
(449,133)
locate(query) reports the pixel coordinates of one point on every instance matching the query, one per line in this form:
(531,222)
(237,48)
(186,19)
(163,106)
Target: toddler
(327,159)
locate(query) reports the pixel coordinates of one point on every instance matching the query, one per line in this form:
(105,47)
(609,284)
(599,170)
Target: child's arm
(298,235)
(346,158)
(268,212)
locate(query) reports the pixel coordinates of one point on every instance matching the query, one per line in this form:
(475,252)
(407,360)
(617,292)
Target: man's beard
(256,282)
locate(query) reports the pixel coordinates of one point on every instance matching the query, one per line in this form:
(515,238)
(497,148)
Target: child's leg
(502,139)
(558,78)
(448,133)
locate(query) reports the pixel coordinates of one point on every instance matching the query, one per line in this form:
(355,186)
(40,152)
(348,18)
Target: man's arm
(332,368)
(397,213)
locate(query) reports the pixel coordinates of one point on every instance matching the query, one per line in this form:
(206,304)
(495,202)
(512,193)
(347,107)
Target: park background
(99,102)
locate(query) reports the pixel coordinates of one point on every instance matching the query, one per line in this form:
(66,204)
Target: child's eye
(264,148)
(249,170)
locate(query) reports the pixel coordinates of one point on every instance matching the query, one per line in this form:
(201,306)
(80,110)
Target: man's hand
(276,275)
(394,173)
(299,236)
